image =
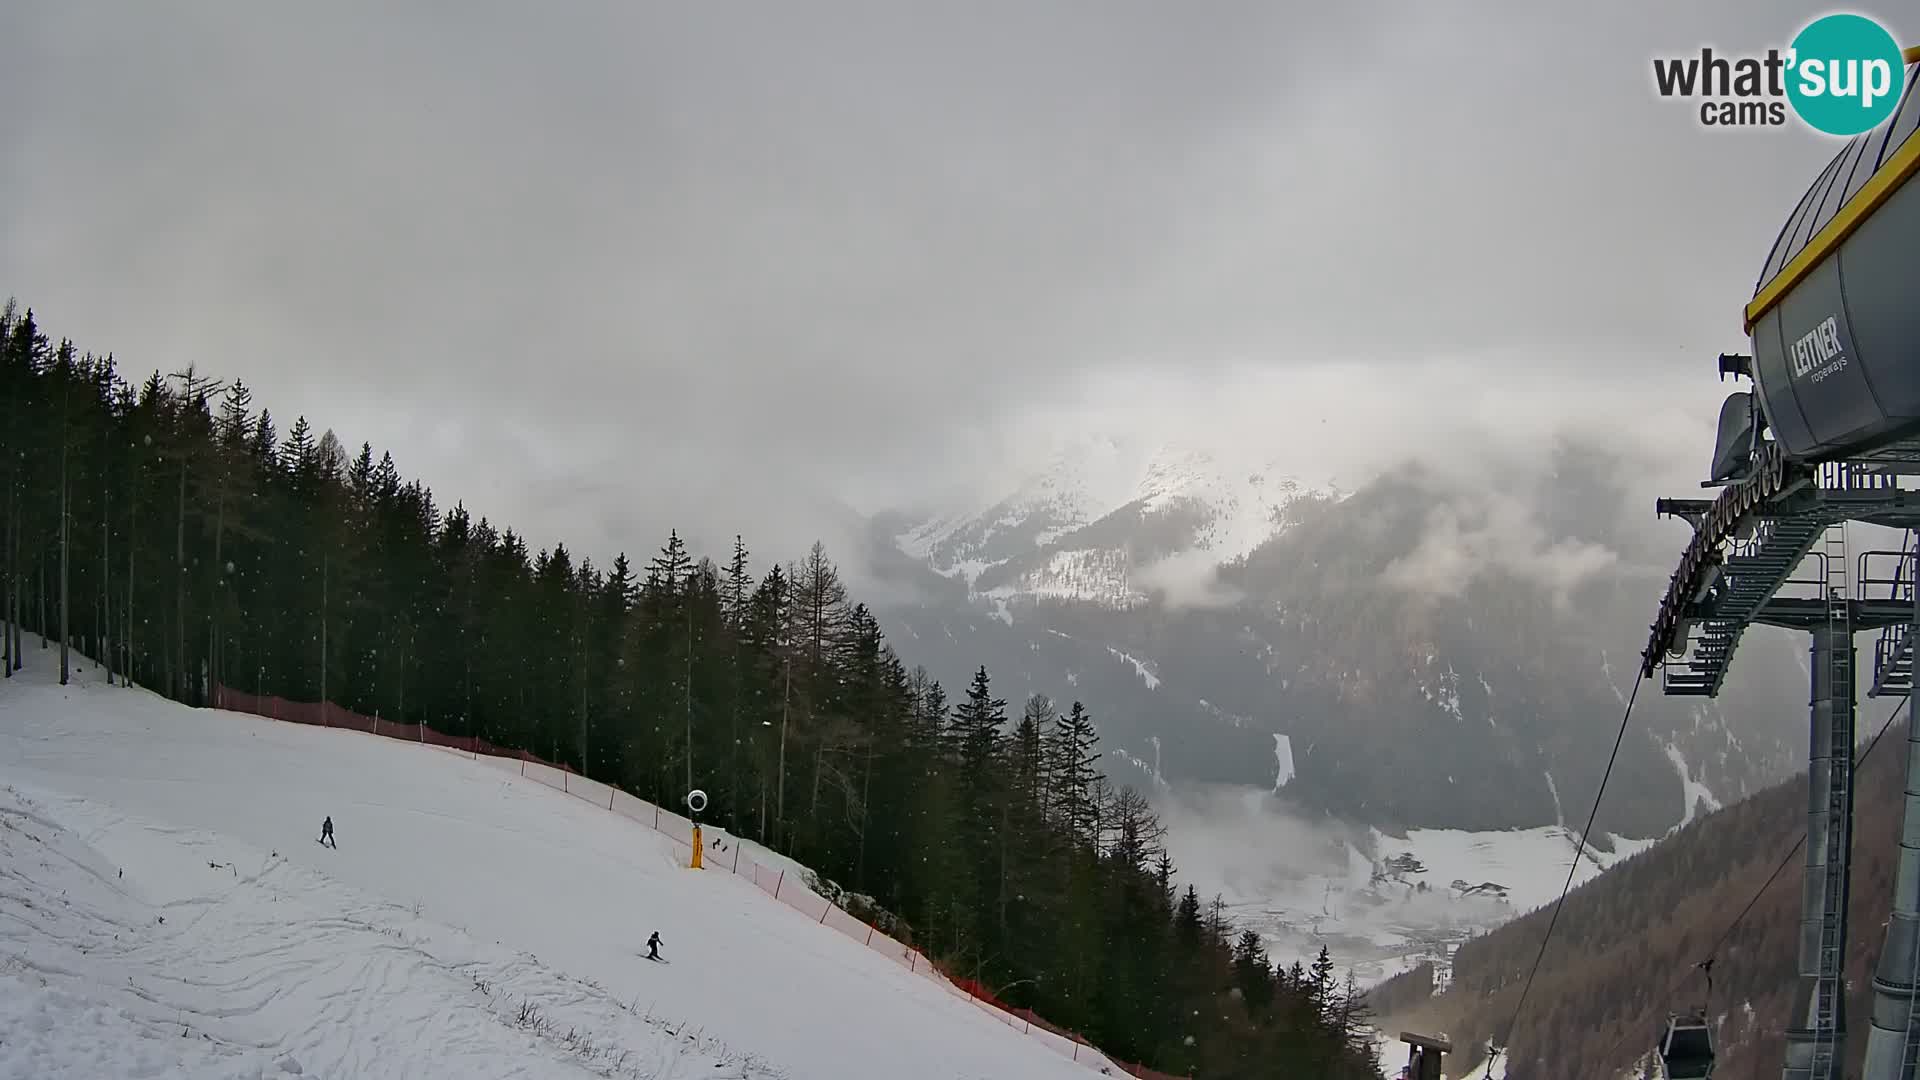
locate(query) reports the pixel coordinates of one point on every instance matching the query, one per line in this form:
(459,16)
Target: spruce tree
(1072,767)
(1252,973)
(1320,980)
(197,548)
(1186,920)
(976,728)
(739,586)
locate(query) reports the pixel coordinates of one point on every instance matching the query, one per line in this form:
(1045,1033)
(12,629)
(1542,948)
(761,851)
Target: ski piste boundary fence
(773,881)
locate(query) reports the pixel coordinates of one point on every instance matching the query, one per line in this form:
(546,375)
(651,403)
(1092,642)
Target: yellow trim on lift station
(1894,172)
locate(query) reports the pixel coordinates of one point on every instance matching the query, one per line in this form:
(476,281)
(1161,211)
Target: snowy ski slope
(471,924)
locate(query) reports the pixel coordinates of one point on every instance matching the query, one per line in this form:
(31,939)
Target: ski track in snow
(212,959)
(460,893)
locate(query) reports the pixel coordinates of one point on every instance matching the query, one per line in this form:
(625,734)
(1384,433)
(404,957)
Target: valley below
(1381,904)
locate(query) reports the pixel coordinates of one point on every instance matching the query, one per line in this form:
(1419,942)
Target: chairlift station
(1825,436)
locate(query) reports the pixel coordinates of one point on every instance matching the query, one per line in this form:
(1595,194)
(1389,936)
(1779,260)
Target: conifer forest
(173,531)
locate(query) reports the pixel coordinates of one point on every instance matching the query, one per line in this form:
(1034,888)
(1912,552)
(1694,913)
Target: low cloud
(1243,842)
(733,260)
(1188,580)
(1483,420)
(1489,533)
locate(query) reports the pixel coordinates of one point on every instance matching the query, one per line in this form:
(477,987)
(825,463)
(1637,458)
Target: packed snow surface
(137,949)
(169,913)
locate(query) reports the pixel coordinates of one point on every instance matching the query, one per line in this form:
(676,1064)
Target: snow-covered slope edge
(145,950)
(510,861)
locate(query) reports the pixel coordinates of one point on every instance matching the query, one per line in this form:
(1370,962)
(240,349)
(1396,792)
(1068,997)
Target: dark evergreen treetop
(206,548)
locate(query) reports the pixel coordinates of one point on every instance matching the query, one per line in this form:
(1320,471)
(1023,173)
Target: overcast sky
(601,268)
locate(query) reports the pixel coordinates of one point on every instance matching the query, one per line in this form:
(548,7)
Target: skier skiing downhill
(653,946)
(326,833)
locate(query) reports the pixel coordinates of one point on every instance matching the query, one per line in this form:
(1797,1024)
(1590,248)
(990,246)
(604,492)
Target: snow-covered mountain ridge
(1424,672)
(1109,521)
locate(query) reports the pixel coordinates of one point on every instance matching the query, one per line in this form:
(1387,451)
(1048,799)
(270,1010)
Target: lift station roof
(1835,318)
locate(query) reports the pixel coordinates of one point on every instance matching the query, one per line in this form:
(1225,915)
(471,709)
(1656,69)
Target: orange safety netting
(774,881)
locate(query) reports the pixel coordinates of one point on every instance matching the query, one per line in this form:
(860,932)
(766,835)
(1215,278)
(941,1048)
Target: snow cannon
(696,802)
(1834,328)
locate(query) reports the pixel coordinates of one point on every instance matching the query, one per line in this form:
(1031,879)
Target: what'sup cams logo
(1842,75)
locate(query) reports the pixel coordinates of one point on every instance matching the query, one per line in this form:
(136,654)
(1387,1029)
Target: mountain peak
(1103,510)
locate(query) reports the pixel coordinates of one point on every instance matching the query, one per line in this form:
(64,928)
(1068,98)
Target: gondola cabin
(1686,1048)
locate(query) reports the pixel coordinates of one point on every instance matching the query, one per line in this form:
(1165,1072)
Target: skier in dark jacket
(653,946)
(326,833)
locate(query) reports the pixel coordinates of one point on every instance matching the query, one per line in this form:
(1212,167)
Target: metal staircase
(1752,572)
(1839,765)
(1893,653)
(1771,549)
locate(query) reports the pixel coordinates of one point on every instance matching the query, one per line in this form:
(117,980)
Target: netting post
(869,941)
(695,865)
(781,880)
(736,855)
(609,796)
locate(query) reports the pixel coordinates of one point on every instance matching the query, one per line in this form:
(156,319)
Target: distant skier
(326,833)
(653,946)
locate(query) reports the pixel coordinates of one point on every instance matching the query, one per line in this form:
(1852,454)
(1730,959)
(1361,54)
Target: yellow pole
(696,846)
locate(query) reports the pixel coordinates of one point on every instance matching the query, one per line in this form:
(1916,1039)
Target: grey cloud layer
(614,267)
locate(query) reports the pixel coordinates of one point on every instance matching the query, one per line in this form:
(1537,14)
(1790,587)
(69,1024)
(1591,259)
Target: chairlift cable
(1713,953)
(1572,869)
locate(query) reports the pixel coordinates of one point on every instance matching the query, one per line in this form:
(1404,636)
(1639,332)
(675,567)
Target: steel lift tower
(1830,434)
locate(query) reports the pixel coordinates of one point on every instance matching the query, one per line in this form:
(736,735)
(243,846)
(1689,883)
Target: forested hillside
(175,531)
(1625,949)
(1415,624)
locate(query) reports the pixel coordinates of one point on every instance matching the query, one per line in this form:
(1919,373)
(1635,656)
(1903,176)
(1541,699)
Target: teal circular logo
(1845,74)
